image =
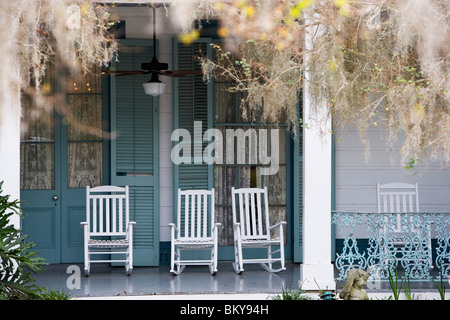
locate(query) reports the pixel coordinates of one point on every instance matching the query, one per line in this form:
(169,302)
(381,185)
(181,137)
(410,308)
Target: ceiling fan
(155,68)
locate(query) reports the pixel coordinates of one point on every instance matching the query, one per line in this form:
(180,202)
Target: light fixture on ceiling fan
(154,86)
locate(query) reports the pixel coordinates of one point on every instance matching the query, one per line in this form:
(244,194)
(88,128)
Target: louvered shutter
(298,190)
(134,152)
(192,102)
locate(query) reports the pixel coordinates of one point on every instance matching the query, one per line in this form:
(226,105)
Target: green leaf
(17,260)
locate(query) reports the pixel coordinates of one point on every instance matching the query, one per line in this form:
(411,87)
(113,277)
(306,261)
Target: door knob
(55,198)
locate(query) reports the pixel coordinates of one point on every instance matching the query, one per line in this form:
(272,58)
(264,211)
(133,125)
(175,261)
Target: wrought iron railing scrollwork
(381,242)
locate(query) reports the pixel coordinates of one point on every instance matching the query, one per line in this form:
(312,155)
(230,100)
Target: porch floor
(107,281)
(254,283)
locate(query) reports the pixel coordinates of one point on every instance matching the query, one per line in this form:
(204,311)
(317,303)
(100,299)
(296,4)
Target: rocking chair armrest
(131,224)
(279,224)
(215,229)
(83,224)
(173,226)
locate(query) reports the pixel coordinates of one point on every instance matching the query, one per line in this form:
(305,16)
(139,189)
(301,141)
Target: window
(233,171)
(84,137)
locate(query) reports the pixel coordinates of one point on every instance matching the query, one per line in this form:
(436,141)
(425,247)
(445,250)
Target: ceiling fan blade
(178,73)
(155,67)
(124,72)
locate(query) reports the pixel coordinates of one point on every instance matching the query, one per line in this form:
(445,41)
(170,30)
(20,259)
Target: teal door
(62,151)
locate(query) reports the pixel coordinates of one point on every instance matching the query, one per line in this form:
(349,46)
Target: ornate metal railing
(381,242)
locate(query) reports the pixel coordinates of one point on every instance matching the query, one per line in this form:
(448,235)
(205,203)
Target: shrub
(17,261)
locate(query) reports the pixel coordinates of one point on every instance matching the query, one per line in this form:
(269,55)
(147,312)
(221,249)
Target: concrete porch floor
(106,282)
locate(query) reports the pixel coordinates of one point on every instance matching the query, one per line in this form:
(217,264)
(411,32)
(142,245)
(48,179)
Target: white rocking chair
(252,230)
(399,197)
(194,230)
(107,229)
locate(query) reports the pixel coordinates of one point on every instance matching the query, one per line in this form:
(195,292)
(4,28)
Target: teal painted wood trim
(211,110)
(175,115)
(298,191)
(156,176)
(290,198)
(333,194)
(106,101)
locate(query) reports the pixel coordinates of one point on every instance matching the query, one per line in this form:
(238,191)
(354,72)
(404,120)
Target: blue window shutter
(192,102)
(134,151)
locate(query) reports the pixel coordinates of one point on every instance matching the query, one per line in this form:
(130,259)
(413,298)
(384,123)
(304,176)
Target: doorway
(62,151)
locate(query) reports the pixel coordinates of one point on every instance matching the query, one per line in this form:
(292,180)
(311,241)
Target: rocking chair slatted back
(398,197)
(107,210)
(253,214)
(197,222)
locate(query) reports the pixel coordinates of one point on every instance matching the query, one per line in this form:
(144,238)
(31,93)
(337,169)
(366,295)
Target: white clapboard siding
(356,177)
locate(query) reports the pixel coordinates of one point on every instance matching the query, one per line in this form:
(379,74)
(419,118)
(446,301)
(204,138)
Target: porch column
(316,266)
(316,271)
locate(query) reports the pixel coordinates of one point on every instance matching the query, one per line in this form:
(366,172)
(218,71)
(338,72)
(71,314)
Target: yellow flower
(344,6)
(188,38)
(249,11)
(222,32)
(296,10)
(304,4)
(341,3)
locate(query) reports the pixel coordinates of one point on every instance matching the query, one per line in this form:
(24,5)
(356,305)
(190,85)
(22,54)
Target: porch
(157,283)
